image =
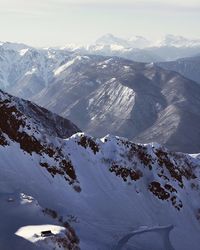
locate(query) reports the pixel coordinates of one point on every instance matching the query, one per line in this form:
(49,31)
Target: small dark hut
(46,233)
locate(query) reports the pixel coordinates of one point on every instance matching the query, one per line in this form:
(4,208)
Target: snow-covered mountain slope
(25,71)
(91,193)
(188,67)
(52,124)
(116,96)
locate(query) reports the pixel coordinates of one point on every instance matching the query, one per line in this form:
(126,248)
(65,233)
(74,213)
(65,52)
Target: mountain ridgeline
(188,67)
(116,96)
(97,193)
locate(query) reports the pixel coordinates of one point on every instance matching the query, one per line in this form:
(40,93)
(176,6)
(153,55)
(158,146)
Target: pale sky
(58,22)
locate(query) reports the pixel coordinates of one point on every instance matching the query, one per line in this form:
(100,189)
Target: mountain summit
(133,42)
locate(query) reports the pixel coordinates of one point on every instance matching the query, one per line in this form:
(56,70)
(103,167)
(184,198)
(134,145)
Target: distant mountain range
(177,41)
(64,191)
(141,42)
(106,94)
(133,42)
(138,48)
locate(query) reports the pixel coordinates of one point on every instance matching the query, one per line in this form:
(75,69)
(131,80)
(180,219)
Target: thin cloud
(18,12)
(178,5)
(27,8)
(38,6)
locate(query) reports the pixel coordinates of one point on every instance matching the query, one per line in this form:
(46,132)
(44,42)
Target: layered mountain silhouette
(107,95)
(115,96)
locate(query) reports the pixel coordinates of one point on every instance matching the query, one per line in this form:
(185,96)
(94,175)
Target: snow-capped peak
(133,42)
(109,39)
(177,41)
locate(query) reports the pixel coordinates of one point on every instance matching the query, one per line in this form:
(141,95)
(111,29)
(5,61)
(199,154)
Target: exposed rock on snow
(114,188)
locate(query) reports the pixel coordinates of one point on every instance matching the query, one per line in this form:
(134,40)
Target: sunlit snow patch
(22,52)
(33,233)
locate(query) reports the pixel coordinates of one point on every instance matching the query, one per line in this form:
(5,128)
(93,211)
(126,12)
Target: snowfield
(93,194)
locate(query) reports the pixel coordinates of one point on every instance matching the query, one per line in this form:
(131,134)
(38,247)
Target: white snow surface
(62,68)
(32,233)
(108,206)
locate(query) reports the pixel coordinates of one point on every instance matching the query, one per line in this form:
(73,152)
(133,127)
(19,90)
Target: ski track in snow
(163,231)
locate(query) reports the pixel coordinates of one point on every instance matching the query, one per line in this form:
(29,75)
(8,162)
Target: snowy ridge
(18,60)
(25,71)
(100,190)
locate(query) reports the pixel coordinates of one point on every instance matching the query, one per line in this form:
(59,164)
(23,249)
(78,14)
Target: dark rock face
(16,111)
(29,125)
